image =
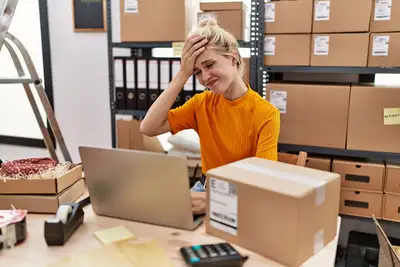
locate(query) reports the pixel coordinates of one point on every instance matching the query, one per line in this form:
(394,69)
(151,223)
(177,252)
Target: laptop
(142,186)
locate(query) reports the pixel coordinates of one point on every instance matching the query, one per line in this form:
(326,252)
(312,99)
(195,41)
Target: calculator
(212,255)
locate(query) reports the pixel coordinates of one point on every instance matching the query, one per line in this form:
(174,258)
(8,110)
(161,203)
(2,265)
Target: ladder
(7,8)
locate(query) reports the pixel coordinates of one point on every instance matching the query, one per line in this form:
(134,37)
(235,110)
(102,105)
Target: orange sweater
(229,130)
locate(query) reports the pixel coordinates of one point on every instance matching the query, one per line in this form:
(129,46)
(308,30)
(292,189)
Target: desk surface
(34,252)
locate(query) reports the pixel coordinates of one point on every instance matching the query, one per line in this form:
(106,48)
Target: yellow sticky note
(114,234)
(177,47)
(391,116)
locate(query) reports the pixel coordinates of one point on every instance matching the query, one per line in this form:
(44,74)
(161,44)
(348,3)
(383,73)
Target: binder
(120,92)
(142,86)
(130,90)
(154,88)
(176,65)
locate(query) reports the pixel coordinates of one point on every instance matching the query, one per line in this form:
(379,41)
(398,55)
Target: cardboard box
(312,115)
(384,50)
(360,175)
(233,21)
(288,16)
(374,119)
(344,50)
(332,16)
(287,50)
(391,207)
(392,184)
(243,208)
(42,187)
(385,16)
(360,203)
(43,203)
(323,164)
(157,20)
(215,6)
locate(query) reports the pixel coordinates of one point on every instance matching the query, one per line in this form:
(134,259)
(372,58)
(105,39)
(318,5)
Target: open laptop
(141,186)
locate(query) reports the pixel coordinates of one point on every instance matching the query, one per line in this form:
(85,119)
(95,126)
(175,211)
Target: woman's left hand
(199,203)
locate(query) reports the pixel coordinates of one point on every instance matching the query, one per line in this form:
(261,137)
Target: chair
(299,160)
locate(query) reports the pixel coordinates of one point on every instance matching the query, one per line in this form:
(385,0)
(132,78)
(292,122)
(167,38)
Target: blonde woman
(233,121)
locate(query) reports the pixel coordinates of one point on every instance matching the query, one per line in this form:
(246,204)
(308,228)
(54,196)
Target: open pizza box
(389,256)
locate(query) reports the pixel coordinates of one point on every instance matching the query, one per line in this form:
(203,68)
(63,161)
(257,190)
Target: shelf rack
(144,49)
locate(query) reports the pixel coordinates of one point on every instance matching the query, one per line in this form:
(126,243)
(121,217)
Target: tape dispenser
(68,218)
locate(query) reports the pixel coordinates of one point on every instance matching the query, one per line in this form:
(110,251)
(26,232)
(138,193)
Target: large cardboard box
(344,50)
(323,164)
(392,184)
(157,20)
(288,16)
(311,114)
(332,16)
(248,200)
(233,21)
(287,49)
(360,203)
(360,175)
(374,119)
(43,186)
(385,16)
(384,50)
(215,6)
(391,207)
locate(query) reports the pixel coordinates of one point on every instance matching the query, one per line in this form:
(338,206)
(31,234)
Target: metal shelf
(339,152)
(354,70)
(139,113)
(158,44)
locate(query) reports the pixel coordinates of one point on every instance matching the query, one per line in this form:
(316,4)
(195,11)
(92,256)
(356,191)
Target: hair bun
(207,21)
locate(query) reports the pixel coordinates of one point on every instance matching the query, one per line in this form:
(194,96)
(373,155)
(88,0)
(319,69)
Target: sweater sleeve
(183,117)
(267,145)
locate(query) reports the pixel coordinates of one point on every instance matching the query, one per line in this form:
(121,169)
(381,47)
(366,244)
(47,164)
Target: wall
(80,84)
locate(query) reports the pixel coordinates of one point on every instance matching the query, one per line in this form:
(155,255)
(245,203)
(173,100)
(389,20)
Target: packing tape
(318,184)
(63,212)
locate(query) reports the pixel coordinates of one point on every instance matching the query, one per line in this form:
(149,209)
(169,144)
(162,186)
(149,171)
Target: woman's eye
(197,73)
(210,65)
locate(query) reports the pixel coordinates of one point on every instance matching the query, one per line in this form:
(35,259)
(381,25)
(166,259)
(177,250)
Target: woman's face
(215,71)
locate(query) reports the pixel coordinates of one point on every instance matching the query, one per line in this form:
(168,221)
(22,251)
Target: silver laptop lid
(7,9)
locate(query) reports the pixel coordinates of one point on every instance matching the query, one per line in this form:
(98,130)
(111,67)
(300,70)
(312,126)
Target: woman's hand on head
(193,47)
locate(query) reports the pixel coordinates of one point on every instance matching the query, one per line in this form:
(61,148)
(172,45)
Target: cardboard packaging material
(344,50)
(391,207)
(247,200)
(360,203)
(233,21)
(288,16)
(374,119)
(384,50)
(312,115)
(287,50)
(342,16)
(43,186)
(323,164)
(215,6)
(392,184)
(385,16)
(157,20)
(359,175)
(44,203)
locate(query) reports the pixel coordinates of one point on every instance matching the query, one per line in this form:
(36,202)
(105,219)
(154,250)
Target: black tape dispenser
(68,218)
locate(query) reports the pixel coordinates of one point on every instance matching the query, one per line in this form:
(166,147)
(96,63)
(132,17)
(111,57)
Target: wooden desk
(35,253)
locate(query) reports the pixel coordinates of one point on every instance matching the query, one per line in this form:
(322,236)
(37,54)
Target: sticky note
(114,234)
(391,116)
(177,47)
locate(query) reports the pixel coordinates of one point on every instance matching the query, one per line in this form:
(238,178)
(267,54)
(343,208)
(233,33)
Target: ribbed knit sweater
(229,130)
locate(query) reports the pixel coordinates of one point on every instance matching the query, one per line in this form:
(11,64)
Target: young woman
(233,121)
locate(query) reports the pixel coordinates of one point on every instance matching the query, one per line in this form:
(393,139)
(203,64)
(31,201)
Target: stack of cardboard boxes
(346,33)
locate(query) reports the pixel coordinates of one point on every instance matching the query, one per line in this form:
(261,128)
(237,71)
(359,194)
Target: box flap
(274,176)
(69,178)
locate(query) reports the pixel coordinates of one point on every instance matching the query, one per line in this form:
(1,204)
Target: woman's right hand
(194,46)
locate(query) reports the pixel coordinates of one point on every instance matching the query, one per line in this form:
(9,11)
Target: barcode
(380,52)
(224,217)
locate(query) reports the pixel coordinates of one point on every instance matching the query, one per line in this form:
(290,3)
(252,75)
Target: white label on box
(205,16)
(383,9)
(319,240)
(278,99)
(322,10)
(380,47)
(270,12)
(391,116)
(269,46)
(131,6)
(223,205)
(321,45)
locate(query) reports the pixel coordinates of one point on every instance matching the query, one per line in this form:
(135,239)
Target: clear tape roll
(63,212)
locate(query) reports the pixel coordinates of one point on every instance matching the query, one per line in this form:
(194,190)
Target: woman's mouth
(212,83)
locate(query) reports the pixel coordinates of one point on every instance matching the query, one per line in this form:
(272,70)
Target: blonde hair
(220,40)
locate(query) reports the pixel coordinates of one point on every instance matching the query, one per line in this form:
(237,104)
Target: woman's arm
(156,120)
(267,146)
